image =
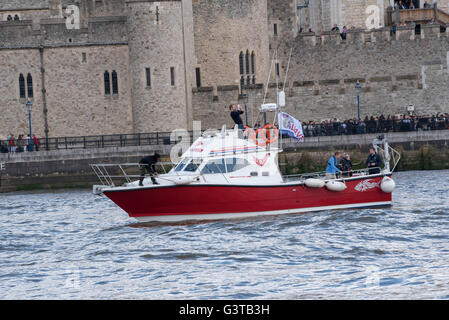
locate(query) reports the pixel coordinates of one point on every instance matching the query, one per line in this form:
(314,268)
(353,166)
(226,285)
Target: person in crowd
(20,144)
(12,143)
(343,33)
(427,5)
(236,111)
(374,161)
(36,143)
(332,170)
(335,28)
(29,143)
(147,164)
(346,165)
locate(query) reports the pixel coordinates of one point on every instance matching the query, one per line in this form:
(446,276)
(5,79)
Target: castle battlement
(360,36)
(54,32)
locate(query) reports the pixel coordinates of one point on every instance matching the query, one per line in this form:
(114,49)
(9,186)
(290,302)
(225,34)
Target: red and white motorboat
(224,175)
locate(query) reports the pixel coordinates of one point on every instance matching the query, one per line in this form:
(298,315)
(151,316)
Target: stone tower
(161,54)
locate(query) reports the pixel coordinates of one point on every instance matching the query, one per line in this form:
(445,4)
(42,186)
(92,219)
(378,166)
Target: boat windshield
(192,166)
(181,165)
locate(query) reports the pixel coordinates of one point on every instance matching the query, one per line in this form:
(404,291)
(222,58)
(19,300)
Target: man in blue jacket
(332,164)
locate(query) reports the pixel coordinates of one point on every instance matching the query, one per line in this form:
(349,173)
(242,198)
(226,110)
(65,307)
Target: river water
(72,245)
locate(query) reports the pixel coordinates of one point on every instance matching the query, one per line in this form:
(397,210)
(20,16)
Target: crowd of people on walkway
(19,144)
(380,124)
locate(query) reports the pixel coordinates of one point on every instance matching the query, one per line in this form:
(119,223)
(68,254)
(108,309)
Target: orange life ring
(268,138)
(252,134)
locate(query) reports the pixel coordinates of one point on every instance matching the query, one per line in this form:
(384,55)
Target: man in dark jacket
(374,161)
(236,111)
(346,165)
(147,164)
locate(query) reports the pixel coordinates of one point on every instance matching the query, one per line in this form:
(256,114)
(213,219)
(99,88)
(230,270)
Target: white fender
(387,185)
(335,185)
(183,180)
(314,183)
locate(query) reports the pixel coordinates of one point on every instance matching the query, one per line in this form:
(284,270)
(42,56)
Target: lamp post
(29,105)
(358,88)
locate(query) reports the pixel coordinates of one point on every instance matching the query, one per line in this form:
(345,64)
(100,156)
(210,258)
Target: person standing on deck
(374,161)
(332,170)
(236,111)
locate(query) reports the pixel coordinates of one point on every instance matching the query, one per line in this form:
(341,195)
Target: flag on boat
(290,126)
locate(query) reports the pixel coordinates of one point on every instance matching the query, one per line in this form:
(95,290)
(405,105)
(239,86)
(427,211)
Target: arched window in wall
(114,82)
(247,67)
(253,66)
(30,85)
(242,71)
(107,83)
(247,61)
(22,86)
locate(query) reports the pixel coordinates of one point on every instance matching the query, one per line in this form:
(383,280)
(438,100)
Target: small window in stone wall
(114,82)
(148,76)
(172,76)
(22,91)
(198,77)
(84,57)
(275,29)
(30,85)
(247,61)
(107,83)
(247,66)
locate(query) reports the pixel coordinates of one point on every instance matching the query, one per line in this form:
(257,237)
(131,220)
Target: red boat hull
(174,203)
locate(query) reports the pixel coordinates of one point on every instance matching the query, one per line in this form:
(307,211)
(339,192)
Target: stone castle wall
(395,71)
(129,36)
(155,33)
(223,29)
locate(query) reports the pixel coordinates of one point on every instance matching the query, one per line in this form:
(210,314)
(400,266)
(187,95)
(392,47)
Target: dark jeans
(144,169)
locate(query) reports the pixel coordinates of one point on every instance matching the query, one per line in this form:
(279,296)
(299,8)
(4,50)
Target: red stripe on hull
(203,199)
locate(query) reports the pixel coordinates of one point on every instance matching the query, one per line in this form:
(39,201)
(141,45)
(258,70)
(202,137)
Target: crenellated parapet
(54,32)
(361,37)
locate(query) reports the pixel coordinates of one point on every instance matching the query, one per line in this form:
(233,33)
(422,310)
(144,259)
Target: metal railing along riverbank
(163,138)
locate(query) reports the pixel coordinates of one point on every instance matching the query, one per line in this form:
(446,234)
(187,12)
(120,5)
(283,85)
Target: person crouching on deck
(332,170)
(146,164)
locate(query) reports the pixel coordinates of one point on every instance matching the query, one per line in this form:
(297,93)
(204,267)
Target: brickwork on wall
(223,29)
(156,42)
(395,71)
(129,36)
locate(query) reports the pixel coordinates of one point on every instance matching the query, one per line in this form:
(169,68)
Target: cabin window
(192,166)
(214,166)
(235,164)
(181,165)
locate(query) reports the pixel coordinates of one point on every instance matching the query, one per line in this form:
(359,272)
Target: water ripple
(64,245)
